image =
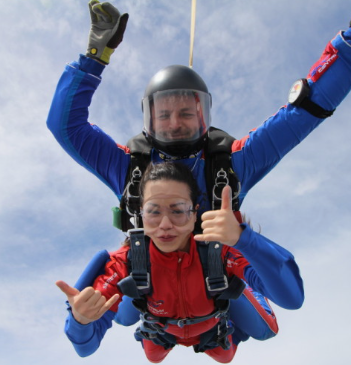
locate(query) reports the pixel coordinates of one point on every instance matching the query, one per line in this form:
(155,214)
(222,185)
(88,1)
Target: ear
(196,208)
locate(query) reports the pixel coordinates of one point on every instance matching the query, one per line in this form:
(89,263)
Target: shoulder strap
(218,167)
(212,265)
(140,157)
(218,173)
(217,284)
(138,283)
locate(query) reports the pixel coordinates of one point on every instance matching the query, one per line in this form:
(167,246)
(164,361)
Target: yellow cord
(192,32)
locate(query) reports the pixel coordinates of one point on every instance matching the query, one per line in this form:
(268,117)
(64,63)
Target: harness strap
(161,323)
(218,168)
(138,282)
(218,173)
(217,283)
(166,340)
(217,336)
(216,280)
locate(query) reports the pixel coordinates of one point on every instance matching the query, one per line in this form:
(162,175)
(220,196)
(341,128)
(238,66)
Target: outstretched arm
(68,117)
(89,317)
(107,30)
(330,82)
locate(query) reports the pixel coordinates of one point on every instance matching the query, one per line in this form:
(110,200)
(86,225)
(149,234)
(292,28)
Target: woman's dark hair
(170,171)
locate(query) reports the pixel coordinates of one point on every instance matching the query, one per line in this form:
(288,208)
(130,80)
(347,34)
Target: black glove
(107,29)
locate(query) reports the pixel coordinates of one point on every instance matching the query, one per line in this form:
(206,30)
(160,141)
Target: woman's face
(167,216)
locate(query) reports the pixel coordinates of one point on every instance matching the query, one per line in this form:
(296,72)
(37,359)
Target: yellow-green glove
(107,29)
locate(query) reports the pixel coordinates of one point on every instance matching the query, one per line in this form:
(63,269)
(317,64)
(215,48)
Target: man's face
(176,117)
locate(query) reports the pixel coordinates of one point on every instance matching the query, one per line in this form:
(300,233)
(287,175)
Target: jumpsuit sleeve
(330,81)
(68,121)
(272,270)
(86,339)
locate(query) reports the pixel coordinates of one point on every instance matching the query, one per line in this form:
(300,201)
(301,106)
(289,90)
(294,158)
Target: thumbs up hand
(221,225)
(87,305)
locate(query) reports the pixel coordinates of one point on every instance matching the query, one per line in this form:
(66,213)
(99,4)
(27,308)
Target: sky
(54,215)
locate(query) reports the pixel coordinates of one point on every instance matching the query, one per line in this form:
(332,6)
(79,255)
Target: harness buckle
(142,280)
(224,284)
(181,323)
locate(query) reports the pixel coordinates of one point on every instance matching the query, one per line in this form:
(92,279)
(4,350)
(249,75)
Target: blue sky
(54,215)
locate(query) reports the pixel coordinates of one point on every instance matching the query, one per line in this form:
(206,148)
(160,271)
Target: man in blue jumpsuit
(311,101)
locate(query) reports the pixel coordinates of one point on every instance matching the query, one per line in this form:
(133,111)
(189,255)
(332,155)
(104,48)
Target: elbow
(293,288)
(81,353)
(299,299)
(293,299)
(297,302)
(84,350)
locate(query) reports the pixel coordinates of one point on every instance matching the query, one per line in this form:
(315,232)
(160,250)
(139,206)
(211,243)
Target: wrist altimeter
(299,96)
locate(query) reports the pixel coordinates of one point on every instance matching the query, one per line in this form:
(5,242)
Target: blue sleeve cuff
(90,66)
(245,236)
(77,332)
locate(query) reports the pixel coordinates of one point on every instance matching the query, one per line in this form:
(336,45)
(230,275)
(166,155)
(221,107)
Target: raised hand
(107,29)
(87,305)
(221,225)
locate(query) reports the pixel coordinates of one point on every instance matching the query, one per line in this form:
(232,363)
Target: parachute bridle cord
(192,32)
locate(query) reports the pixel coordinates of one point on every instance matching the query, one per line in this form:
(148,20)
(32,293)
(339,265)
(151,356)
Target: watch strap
(315,109)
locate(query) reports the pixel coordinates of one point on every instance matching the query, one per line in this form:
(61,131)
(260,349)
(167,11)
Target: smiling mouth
(166,238)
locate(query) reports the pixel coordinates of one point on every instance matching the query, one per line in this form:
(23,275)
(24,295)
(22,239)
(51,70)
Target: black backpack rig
(218,173)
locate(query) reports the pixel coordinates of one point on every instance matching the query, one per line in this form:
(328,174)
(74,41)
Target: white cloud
(54,215)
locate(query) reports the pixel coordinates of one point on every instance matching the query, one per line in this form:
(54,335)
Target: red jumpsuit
(178,292)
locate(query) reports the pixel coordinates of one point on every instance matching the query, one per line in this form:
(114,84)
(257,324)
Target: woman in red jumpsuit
(168,194)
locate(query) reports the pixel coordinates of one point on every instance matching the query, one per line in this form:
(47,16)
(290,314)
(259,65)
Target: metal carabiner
(222,175)
(135,180)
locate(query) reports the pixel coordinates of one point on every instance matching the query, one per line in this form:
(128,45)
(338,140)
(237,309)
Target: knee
(221,355)
(155,353)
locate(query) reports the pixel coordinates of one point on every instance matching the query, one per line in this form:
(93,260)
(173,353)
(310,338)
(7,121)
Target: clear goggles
(191,105)
(178,213)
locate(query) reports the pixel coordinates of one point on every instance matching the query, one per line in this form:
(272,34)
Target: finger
(93,16)
(208,237)
(226,198)
(111,10)
(199,237)
(123,22)
(90,296)
(211,214)
(100,11)
(108,304)
(67,289)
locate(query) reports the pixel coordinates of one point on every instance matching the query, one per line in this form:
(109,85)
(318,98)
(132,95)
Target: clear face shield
(174,116)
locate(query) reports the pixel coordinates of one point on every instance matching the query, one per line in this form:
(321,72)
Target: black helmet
(176,107)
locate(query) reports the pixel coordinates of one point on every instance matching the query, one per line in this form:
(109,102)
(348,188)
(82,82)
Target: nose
(165,223)
(174,121)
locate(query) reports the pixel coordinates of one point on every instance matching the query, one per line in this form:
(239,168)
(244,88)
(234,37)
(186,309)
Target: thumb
(226,198)
(67,289)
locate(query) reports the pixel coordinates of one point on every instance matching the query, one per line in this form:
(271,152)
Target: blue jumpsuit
(252,156)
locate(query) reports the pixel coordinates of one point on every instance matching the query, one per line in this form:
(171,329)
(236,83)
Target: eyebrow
(171,205)
(182,110)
